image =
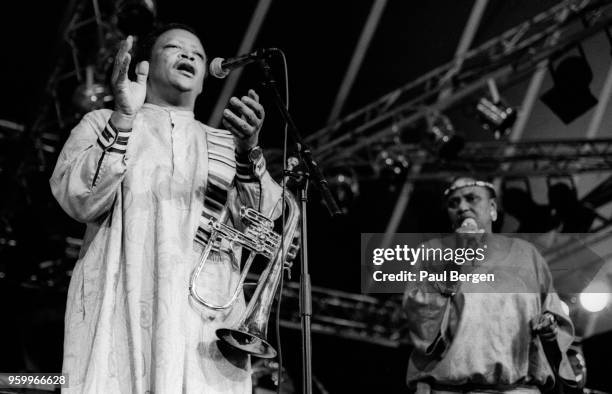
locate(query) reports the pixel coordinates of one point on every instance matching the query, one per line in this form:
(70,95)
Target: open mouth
(186,68)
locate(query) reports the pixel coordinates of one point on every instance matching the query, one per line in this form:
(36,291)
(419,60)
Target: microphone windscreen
(470,223)
(216,69)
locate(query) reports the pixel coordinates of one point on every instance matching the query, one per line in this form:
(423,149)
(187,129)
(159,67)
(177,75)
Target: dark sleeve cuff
(113,139)
(246,171)
(242,158)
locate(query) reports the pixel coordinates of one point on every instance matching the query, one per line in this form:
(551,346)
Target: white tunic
(130,325)
(482,334)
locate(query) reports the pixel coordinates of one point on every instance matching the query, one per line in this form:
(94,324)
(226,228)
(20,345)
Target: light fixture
(390,164)
(91,95)
(344,185)
(495,116)
(441,137)
(570,97)
(594,302)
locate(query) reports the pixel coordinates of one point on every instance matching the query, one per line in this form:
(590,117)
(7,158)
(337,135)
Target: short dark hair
(144,50)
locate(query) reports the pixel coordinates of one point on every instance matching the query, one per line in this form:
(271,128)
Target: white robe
(130,325)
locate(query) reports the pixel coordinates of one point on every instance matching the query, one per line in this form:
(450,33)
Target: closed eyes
(176,46)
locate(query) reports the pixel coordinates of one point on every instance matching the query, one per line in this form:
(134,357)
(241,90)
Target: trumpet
(250,333)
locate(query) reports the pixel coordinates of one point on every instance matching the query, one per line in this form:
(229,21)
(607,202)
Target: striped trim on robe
(221,172)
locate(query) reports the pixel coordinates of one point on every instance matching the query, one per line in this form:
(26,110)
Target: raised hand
(545,327)
(129,95)
(244,120)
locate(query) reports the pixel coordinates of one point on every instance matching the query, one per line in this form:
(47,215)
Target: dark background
(318,38)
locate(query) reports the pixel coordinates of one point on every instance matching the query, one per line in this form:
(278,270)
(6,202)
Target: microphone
(469,225)
(469,235)
(220,67)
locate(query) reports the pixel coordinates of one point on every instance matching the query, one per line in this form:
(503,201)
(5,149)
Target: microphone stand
(314,174)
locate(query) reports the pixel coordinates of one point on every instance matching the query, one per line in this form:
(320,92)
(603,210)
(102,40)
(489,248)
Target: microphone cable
(279,291)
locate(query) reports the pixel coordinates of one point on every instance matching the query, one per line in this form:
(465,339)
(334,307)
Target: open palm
(129,95)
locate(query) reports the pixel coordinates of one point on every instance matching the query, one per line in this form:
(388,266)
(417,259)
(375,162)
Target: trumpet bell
(247,342)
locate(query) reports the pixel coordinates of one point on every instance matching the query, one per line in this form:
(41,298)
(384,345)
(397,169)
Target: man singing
(145,178)
(507,335)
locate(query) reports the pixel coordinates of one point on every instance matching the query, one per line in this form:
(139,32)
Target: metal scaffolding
(506,59)
(88,40)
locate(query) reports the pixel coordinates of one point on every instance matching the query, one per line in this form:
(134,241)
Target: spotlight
(441,137)
(136,17)
(570,97)
(91,95)
(594,302)
(345,186)
(496,116)
(389,164)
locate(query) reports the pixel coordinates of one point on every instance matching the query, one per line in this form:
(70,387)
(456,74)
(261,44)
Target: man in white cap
(491,336)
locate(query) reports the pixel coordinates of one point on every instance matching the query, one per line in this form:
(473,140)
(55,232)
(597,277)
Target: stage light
(570,97)
(496,117)
(136,17)
(441,137)
(390,164)
(594,302)
(344,185)
(91,95)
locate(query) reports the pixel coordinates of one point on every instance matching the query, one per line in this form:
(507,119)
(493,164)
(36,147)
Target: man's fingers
(125,46)
(238,133)
(129,41)
(120,70)
(237,123)
(254,105)
(120,59)
(253,95)
(116,66)
(142,71)
(244,110)
(123,70)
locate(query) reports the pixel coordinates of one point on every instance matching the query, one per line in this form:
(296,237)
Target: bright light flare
(594,302)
